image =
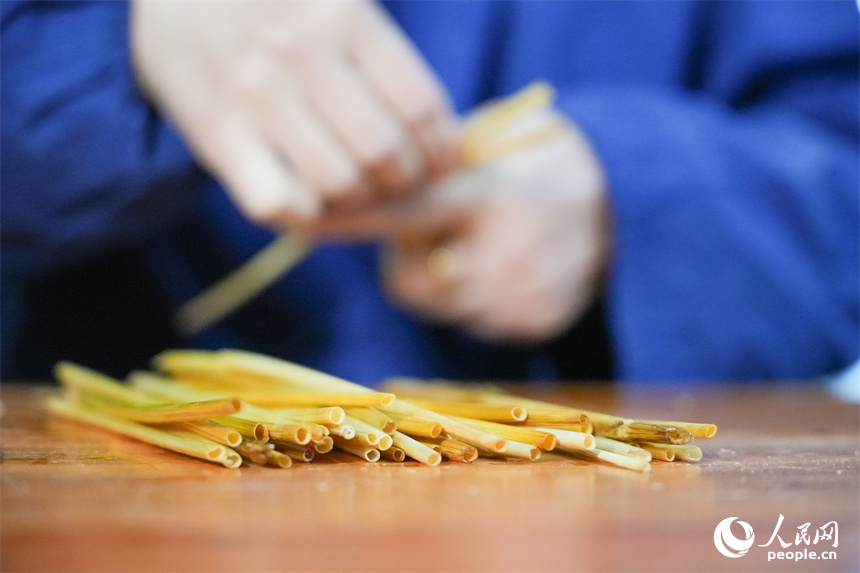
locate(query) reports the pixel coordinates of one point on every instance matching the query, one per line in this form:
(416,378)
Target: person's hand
(298,108)
(514,249)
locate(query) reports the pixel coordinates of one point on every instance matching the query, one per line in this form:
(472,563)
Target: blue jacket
(729,132)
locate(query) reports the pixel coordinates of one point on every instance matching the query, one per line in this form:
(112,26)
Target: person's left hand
(515,249)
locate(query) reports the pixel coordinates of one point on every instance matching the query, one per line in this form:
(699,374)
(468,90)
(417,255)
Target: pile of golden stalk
(232,406)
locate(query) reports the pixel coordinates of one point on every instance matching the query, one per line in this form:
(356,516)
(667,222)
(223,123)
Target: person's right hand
(296,107)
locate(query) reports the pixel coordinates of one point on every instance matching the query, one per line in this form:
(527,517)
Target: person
(697,220)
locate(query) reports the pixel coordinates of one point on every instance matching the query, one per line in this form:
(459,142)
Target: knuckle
(380,150)
(340,185)
(354,18)
(380,165)
(378,142)
(250,80)
(420,108)
(327,171)
(394,167)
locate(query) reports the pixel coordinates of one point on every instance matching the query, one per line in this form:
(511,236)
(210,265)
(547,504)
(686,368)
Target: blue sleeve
(736,198)
(87,165)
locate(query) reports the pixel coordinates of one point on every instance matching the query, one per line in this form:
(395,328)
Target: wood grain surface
(76,498)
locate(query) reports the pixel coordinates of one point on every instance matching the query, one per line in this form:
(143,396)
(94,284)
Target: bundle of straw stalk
(231,406)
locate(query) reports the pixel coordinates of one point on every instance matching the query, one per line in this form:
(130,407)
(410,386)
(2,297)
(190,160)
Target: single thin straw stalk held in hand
(253,277)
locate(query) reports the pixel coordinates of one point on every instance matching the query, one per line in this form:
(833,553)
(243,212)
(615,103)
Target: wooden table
(79,499)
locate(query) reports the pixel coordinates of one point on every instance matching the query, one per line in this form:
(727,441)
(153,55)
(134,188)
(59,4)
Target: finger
(261,185)
(314,152)
(404,80)
(371,133)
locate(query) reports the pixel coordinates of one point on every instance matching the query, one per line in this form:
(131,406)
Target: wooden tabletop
(76,498)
